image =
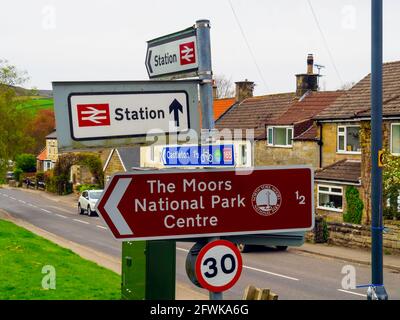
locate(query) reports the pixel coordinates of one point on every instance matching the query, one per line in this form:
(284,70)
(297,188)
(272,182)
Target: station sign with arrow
(124,110)
(173,55)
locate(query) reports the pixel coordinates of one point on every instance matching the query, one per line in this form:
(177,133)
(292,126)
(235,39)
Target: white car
(87,201)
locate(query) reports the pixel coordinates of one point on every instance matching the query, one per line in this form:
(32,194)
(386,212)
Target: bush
(17,174)
(84,187)
(355,206)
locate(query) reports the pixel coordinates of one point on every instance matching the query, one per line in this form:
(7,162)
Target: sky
(267,42)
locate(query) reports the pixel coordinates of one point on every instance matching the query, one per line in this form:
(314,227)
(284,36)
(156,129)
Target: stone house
(345,134)
(47,158)
(121,160)
(284,130)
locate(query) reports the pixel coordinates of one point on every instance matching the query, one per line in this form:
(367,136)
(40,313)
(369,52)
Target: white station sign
(172,54)
(96,116)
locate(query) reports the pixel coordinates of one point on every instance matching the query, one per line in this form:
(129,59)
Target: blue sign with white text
(199,155)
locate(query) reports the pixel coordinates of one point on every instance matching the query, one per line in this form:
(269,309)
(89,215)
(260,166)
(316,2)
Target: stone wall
(113,166)
(302,153)
(366,165)
(358,236)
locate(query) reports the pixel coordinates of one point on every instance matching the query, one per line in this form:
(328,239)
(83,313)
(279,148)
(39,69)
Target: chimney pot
(310,64)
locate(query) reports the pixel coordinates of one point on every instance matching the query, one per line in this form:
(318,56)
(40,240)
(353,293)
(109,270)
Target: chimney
(214,89)
(307,81)
(244,90)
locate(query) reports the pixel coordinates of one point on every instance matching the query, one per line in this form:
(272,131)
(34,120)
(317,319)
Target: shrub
(355,206)
(84,187)
(17,174)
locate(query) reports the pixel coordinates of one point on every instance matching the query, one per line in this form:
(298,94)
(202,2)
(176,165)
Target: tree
(12,120)
(38,129)
(391,184)
(225,87)
(26,162)
(355,206)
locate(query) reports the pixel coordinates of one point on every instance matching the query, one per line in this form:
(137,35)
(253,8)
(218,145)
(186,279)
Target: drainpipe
(320,143)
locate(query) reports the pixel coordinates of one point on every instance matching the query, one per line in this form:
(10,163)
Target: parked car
(10,175)
(281,241)
(87,201)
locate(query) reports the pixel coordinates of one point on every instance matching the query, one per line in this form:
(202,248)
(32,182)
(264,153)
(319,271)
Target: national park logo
(266,200)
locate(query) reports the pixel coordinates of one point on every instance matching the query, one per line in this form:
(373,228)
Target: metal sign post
(206,97)
(377,290)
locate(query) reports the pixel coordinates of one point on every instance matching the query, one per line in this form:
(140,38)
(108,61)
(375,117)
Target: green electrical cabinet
(148,270)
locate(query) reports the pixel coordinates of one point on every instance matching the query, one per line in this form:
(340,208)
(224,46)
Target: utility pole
(376,290)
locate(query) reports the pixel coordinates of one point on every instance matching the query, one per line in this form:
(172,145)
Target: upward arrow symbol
(176,107)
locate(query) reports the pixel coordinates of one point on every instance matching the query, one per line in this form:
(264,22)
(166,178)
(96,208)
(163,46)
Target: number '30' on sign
(218,266)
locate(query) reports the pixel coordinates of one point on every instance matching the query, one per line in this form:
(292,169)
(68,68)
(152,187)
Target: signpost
(218,266)
(199,155)
(175,204)
(174,55)
(118,113)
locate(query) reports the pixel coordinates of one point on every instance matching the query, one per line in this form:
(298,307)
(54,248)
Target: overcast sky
(106,40)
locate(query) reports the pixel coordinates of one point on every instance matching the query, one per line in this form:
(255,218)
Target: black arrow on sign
(176,107)
(148,62)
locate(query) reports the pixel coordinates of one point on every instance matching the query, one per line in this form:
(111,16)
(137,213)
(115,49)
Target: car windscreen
(95,195)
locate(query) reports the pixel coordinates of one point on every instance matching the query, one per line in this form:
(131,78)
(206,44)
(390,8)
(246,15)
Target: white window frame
(330,192)
(345,139)
(391,138)
(289,144)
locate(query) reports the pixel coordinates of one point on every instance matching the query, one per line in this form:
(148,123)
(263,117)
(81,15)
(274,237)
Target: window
(395,139)
(280,136)
(348,139)
(330,198)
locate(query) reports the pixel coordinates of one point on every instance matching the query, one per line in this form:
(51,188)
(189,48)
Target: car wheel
(89,211)
(80,210)
(243,248)
(281,248)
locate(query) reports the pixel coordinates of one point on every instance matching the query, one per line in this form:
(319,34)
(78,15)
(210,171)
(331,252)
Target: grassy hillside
(34,104)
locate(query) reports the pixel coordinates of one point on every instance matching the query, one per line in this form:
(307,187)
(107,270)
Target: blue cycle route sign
(199,155)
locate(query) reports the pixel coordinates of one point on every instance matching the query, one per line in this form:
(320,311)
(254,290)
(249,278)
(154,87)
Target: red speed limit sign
(218,266)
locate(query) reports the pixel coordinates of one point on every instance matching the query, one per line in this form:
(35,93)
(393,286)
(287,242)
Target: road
(291,274)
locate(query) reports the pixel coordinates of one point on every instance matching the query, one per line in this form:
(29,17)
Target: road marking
(101,227)
(81,221)
(12,198)
(47,211)
(32,205)
(4,195)
(355,293)
(271,273)
(21,201)
(254,269)
(61,216)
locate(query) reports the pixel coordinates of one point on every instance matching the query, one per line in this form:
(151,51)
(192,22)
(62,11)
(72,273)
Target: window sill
(348,152)
(330,209)
(278,146)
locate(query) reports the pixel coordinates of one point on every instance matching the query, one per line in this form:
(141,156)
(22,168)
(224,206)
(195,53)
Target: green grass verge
(24,254)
